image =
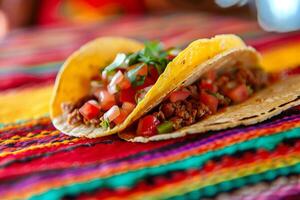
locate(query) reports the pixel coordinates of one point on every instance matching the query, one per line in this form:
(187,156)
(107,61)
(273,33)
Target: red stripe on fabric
(208,168)
(270,42)
(34,59)
(17,80)
(84,155)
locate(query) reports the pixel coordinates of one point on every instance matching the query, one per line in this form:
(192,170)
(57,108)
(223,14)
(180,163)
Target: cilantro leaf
(135,79)
(153,54)
(132,58)
(105,124)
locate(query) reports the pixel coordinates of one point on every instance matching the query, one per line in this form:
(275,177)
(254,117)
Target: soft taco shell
(263,105)
(73,80)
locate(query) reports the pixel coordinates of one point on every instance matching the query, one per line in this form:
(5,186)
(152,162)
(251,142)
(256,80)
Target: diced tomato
(238,94)
(127,95)
(148,82)
(90,110)
(112,113)
(208,85)
(210,75)
(124,84)
(153,73)
(121,118)
(147,126)
(209,100)
(106,99)
(150,79)
(179,95)
(143,71)
(128,107)
(171,57)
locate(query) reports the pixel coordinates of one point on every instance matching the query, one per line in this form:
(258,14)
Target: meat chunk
(93,122)
(84,100)
(193,90)
(74,117)
(183,113)
(261,79)
(67,107)
(167,109)
(177,122)
(159,115)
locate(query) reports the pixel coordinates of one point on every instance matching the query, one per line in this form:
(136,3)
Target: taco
(224,91)
(111,82)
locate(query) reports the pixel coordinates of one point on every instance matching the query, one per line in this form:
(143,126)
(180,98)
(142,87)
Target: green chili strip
(165,127)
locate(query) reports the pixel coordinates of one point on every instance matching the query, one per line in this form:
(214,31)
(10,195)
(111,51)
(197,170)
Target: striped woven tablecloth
(38,162)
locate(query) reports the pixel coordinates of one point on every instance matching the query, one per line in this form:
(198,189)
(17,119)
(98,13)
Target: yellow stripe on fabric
(24,104)
(38,146)
(29,136)
(281,57)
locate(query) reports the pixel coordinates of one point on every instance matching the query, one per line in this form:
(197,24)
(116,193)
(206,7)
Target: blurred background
(272,15)
(36,36)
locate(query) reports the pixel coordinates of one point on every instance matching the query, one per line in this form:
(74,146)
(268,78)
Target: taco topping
(214,91)
(117,89)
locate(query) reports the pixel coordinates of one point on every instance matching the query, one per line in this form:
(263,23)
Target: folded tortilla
(261,106)
(73,80)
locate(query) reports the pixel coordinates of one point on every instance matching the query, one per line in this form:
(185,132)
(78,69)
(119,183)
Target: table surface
(38,162)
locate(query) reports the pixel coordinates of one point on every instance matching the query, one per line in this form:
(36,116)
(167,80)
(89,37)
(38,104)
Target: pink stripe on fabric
(18,80)
(271,41)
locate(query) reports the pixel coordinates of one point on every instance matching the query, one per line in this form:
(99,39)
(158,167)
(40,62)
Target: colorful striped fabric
(38,162)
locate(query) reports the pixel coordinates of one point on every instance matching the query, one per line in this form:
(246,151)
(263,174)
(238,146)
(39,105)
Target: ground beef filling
(182,113)
(191,110)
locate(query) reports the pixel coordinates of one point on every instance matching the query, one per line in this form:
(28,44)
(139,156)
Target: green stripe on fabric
(44,68)
(226,186)
(130,178)
(22,121)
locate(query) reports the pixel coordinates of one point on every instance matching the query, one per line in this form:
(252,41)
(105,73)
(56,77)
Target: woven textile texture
(38,162)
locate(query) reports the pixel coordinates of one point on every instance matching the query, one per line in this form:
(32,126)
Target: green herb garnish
(132,58)
(105,124)
(135,79)
(152,54)
(250,90)
(217,95)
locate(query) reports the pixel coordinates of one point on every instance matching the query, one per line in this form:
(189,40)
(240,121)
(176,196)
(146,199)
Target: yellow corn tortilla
(261,106)
(73,80)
